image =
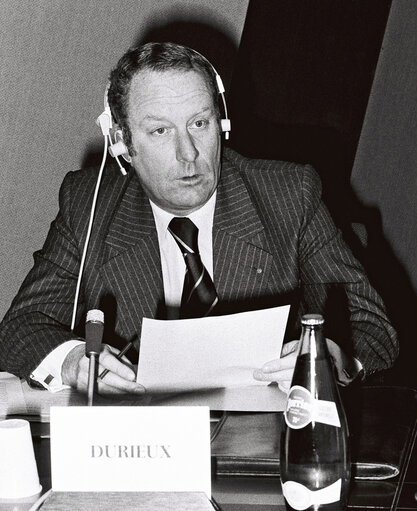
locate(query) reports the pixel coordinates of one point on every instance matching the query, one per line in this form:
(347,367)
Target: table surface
(262,493)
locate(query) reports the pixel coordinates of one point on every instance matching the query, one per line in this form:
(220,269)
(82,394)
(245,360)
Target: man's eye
(200,123)
(159,131)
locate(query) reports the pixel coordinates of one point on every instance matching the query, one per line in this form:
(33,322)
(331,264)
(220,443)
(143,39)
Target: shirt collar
(203,217)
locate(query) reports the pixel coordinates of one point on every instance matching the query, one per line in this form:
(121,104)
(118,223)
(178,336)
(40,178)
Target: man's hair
(154,57)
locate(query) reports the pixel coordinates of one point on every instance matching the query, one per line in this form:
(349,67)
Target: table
(264,493)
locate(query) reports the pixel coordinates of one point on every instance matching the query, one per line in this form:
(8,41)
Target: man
(264,236)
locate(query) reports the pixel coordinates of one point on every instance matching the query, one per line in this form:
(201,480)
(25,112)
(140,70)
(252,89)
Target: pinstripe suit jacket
(273,243)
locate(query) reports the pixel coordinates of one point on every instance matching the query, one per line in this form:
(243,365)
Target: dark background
(302,82)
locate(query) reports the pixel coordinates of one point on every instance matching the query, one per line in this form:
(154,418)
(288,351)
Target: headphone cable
(88,235)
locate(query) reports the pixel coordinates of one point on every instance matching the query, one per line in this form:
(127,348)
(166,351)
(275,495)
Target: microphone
(94,327)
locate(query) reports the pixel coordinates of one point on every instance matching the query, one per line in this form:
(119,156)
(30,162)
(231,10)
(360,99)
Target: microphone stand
(91,378)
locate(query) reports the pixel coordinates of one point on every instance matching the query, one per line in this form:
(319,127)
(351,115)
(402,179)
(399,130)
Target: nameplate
(116,448)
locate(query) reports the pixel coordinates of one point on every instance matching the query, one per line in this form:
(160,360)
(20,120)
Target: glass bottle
(314,460)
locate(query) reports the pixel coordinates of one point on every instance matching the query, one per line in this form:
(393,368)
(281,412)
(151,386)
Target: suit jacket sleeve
(334,283)
(312,263)
(40,315)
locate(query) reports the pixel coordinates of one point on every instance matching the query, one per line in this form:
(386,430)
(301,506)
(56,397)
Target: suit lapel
(242,262)
(133,268)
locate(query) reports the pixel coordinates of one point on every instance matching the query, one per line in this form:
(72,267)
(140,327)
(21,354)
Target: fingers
(116,387)
(120,379)
(121,368)
(289,347)
(280,370)
(279,375)
(284,386)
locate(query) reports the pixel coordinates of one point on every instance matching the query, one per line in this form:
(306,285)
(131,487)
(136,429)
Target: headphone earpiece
(118,148)
(104,121)
(225,123)
(226,127)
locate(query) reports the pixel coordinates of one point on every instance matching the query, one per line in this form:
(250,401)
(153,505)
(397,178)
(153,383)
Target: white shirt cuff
(48,372)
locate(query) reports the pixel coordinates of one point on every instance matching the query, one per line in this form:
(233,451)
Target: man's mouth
(190,179)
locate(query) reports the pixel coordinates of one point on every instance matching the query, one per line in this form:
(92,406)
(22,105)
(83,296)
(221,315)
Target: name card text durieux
(116,448)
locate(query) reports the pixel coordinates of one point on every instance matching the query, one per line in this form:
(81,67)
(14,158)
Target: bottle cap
(312,319)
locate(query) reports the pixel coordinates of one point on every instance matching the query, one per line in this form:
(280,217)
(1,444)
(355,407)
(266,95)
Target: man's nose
(186,149)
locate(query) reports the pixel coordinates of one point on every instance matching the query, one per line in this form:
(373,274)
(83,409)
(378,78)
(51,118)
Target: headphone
(116,145)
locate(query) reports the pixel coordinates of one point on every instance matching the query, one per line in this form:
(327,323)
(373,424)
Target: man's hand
(280,370)
(347,367)
(121,378)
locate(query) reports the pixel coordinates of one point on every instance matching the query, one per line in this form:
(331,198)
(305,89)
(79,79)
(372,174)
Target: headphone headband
(117,147)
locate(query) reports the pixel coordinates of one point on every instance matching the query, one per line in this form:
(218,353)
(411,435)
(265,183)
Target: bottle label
(302,409)
(300,497)
(298,412)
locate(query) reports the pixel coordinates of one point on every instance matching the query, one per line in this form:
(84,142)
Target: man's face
(175,138)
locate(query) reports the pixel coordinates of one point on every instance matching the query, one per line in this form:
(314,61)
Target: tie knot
(185,233)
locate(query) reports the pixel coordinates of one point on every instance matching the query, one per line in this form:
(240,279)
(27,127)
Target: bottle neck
(314,359)
(313,342)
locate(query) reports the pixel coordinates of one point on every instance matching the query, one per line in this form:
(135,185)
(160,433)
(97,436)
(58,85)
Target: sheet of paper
(208,353)
(252,398)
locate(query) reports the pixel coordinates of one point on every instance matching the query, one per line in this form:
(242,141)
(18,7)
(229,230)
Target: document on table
(249,398)
(209,353)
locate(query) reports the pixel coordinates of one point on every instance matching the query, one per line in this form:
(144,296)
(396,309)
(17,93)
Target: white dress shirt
(172,260)
(48,372)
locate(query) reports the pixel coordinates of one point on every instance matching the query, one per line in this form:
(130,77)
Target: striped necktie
(199,295)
